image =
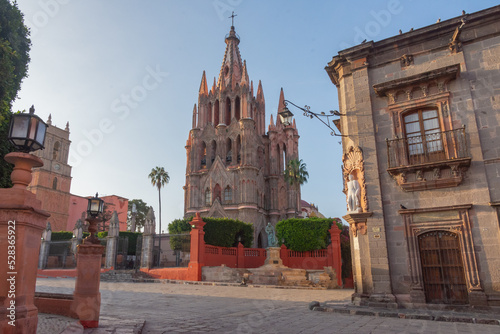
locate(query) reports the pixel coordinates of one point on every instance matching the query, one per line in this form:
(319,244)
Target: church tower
(51,183)
(234,168)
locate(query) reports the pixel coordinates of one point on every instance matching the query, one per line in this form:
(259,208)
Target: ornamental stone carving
(354,170)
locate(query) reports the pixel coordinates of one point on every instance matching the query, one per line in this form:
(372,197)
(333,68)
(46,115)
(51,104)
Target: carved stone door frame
(455,219)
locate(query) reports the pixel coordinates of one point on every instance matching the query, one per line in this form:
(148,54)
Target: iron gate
(442,268)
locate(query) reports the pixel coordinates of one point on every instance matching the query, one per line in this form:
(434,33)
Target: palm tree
(159,177)
(296,175)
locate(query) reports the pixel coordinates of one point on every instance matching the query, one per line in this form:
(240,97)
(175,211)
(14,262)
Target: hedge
(65,235)
(222,232)
(180,226)
(307,234)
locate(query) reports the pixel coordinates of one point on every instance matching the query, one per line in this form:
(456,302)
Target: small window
(208,197)
(228,195)
(54,183)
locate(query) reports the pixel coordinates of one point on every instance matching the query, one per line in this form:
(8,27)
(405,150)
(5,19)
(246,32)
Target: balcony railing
(430,148)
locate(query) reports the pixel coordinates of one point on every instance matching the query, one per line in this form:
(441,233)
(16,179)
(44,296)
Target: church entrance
(442,268)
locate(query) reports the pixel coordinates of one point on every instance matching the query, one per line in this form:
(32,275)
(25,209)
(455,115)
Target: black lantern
(27,131)
(286,116)
(95,206)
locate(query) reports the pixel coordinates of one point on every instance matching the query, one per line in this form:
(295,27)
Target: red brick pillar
(86,297)
(335,258)
(240,256)
(197,256)
(284,255)
(21,224)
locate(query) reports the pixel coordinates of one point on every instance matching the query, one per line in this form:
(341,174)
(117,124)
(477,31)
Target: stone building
(51,183)
(421,125)
(234,168)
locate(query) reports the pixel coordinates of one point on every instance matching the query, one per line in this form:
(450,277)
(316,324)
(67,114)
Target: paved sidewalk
(191,308)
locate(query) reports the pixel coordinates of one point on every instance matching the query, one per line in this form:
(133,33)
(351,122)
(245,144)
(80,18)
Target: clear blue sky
(92,63)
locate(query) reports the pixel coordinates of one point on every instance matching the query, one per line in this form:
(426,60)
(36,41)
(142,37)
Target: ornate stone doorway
(442,268)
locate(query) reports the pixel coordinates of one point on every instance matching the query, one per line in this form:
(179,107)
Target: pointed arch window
(229,151)
(203,160)
(238,150)
(228,195)
(208,115)
(55,150)
(216,113)
(213,150)
(237,111)
(217,193)
(228,111)
(54,183)
(208,197)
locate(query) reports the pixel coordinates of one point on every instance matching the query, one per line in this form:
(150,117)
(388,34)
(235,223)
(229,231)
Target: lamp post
(94,209)
(22,220)
(86,297)
(321,116)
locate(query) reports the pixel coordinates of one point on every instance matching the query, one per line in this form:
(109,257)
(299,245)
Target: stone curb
(264,286)
(414,316)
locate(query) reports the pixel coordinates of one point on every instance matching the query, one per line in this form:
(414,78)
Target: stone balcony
(437,160)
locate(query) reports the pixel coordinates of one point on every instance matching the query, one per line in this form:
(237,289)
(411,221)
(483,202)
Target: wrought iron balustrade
(430,148)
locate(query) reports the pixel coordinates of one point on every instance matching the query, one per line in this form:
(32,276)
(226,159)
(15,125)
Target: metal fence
(60,255)
(432,147)
(174,250)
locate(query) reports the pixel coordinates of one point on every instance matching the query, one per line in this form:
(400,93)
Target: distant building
(78,210)
(422,129)
(51,183)
(234,168)
(309,210)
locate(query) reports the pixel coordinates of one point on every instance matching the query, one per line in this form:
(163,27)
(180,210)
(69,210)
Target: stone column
(197,256)
(21,224)
(148,240)
(336,252)
(86,297)
(112,241)
(45,247)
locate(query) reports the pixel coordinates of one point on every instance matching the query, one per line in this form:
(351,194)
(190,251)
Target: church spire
(260,92)
(203,85)
(244,77)
(281,104)
(232,67)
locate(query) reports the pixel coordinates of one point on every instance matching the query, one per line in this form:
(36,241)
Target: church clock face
(57,167)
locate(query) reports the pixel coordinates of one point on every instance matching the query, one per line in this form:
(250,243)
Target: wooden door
(442,268)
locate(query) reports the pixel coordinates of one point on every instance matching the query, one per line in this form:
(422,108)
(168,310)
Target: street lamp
(27,131)
(94,209)
(308,113)
(286,116)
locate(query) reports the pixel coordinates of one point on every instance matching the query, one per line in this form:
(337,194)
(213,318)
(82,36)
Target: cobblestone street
(185,308)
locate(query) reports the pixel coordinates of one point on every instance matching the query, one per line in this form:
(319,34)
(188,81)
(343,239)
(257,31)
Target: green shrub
(225,232)
(62,235)
(305,234)
(180,226)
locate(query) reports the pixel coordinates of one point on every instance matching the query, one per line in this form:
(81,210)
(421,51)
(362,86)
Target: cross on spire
(232,18)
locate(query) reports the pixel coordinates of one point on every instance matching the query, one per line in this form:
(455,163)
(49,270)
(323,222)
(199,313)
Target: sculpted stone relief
(354,180)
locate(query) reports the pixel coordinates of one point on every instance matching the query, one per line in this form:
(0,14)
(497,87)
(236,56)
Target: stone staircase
(126,276)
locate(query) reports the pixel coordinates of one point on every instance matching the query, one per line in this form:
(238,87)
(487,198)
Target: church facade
(234,168)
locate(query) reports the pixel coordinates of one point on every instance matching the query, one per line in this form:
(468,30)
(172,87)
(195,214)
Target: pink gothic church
(234,168)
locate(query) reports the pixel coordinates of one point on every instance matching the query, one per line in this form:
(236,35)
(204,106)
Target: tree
(296,175)
(142,211)
(159,177)
(14,58)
